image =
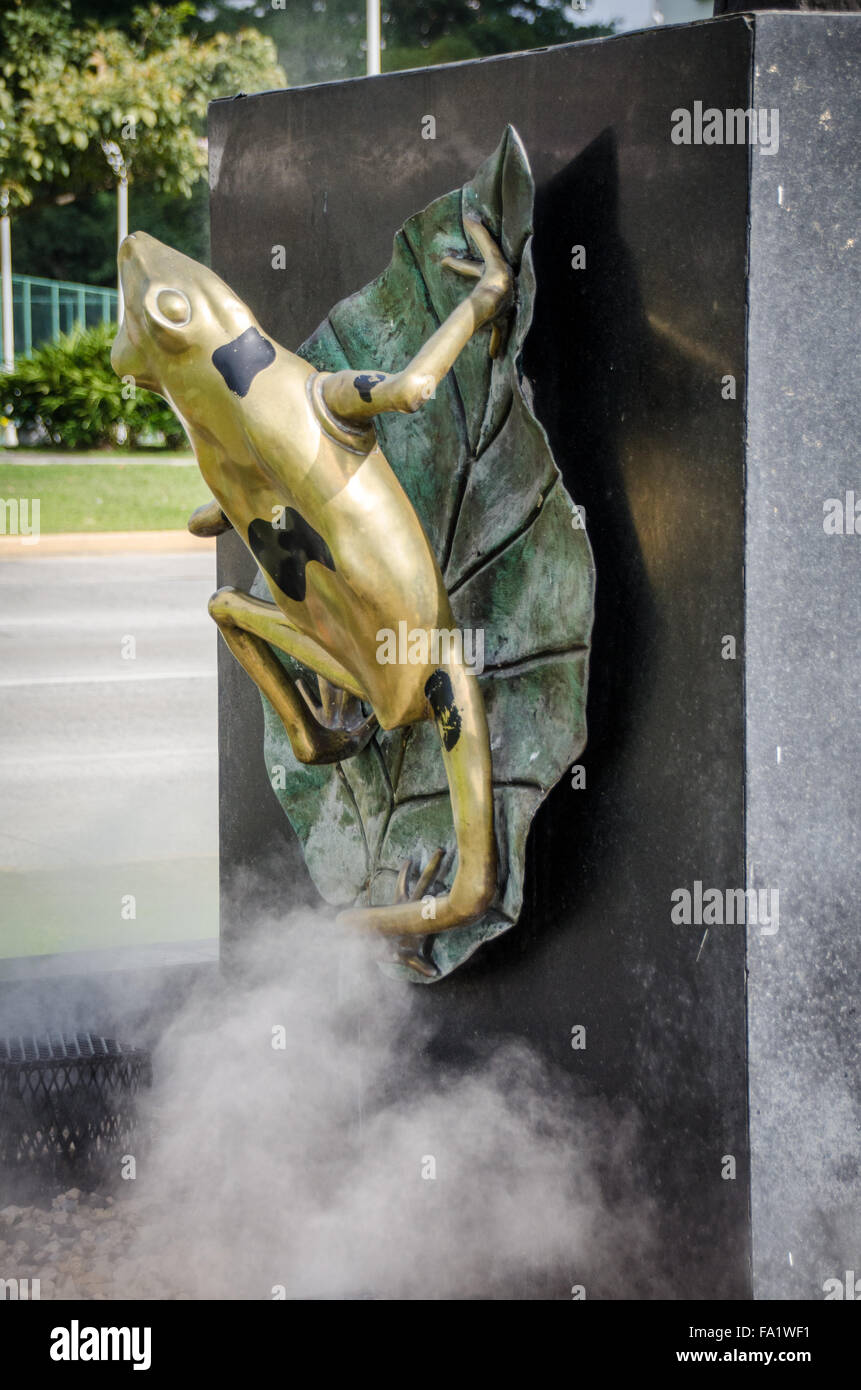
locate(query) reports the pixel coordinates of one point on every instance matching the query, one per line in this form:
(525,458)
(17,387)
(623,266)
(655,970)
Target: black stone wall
(628,359)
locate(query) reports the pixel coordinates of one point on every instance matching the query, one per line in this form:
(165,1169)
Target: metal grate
(67,1101)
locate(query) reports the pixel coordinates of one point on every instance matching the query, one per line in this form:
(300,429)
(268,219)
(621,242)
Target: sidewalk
(104,543)
(36,458)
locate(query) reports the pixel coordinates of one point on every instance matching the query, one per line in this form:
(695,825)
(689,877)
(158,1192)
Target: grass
(106,497)
(50,911)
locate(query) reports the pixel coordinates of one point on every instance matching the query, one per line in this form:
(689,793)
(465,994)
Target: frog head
(178,314)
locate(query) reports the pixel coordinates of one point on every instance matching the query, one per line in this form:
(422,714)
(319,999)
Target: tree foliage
(66,89)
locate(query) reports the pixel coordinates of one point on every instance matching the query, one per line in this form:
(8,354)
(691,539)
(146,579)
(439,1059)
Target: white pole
(10,436)
(122,233)
(373,42)
(6,271)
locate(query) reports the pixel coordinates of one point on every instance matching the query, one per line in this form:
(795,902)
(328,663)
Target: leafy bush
(69,391)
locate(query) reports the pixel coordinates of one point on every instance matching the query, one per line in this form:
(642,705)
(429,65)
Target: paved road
(108,762)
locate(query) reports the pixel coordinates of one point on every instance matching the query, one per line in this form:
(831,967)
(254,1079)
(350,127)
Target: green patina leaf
(477,467)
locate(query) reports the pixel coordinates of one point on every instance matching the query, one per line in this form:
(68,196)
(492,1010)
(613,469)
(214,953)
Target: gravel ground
(81,1248)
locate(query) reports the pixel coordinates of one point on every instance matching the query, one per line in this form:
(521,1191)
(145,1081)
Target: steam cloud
(302,1166)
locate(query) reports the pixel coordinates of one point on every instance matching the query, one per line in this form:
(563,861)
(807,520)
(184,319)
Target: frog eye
(173,306)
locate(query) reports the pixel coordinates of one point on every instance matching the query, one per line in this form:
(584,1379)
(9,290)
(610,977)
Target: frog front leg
(356,397)
(325,733)
(209,520)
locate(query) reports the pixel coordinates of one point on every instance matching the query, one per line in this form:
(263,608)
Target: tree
(78,241)
(64,90)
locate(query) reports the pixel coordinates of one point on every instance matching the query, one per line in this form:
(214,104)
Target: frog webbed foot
(495,280)
(342,727)
(415,951)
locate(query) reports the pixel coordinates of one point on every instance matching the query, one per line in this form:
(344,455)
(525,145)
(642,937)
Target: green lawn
(49,911)
(106,497)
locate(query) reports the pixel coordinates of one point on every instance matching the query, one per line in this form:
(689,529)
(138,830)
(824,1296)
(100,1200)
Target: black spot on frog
(440,693)
(283,552)
(365,383)
(240,361)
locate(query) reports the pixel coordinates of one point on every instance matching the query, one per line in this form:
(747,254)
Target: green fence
(43,309)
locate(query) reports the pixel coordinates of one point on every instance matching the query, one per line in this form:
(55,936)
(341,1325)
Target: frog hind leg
(327,732)
(457,708)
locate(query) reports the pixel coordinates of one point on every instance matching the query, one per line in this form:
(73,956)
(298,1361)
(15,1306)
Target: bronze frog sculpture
(291,457)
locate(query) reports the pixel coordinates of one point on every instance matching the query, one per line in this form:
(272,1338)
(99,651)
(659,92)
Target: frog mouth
(122,352)
(125,359)
(128,261)
(128,256)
